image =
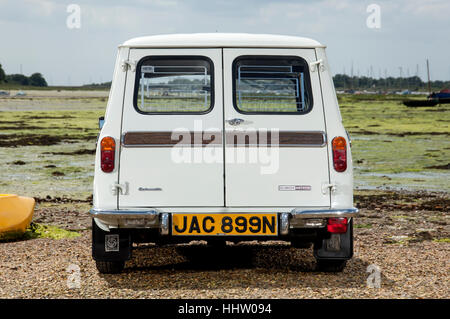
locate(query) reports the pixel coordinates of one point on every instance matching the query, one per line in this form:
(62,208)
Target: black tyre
(110,267)
(110,249)
(300,244)
(334,247)
(331,265)
(217,244)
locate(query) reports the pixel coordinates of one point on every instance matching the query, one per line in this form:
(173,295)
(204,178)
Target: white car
(222,137)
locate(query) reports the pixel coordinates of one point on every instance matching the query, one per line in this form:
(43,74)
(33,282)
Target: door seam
(223,129)
(325,123)
(121,127)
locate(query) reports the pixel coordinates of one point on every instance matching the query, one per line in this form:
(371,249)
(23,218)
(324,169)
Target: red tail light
(339,145)
(107,154)
(337,225)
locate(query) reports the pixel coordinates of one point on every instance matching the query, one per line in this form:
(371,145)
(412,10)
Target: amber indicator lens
(107,154)
(339,145)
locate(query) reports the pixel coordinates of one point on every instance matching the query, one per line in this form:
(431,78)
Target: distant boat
(444,101)
(421,103)
(21,93)
(431,99)
(442,95)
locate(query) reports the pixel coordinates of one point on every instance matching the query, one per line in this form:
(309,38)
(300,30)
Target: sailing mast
(428,72)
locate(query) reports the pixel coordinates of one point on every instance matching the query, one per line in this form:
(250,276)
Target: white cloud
(434,9)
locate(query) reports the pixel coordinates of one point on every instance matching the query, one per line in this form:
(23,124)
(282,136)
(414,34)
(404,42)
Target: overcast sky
(34,34)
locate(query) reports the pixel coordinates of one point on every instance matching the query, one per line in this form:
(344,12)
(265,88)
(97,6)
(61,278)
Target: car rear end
(223,144)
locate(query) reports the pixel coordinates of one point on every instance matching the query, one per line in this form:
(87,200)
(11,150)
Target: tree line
(343,81)
(35,79)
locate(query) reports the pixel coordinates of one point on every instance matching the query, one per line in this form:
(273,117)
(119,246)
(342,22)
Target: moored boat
(420,103)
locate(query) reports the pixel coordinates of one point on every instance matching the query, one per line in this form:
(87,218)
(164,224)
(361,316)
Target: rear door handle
(235,122)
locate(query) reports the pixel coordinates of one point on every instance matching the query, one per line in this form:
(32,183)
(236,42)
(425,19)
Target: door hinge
(326,187)
(349,139)
(313,66)
(128,64)
(119,189)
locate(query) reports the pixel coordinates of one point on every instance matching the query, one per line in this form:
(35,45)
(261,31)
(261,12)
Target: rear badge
(148,189)
(334,243)
(112,242)
(283,188)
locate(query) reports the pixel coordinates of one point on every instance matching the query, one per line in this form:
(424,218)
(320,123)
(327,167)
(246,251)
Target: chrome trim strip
(164,229)
(308,223)
(345,212)
(284,224)
(149,189)
(295,213)
(123,214)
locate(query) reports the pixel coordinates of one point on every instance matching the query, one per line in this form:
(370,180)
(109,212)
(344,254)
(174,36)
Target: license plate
(224,224)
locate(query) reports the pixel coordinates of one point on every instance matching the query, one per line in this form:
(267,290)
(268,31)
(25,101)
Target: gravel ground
(404,234)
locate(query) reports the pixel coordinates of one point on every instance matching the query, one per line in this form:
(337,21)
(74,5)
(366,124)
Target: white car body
(146,183)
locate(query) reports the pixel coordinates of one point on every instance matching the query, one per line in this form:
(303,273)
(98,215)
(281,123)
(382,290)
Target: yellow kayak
(16,213)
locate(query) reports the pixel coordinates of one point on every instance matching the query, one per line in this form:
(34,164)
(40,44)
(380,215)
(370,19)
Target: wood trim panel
(285,139)
(237,139)
(169,139)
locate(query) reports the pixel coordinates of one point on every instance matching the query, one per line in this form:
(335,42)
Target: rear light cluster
(107,154)
(337,225)
(339,145)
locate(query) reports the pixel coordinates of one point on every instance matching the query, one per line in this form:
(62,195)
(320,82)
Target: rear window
(174,84)
(271,84)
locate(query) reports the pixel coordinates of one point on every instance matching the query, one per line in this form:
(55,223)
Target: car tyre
(301,244)
(217,244)
(331,265)
(110,267)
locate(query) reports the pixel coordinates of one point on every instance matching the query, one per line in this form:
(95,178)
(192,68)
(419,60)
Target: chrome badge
(111,242)
(283,188)
(149,189)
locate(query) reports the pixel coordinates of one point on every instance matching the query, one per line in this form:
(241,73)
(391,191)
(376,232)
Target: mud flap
(335,246)
(114,245)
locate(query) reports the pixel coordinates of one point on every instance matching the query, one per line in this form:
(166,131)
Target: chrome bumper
(297,218)
(133,219)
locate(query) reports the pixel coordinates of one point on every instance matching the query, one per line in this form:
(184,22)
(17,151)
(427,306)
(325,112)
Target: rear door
(275,149)
(173,109)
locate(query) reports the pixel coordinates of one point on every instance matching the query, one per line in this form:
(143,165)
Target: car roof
(221,40)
